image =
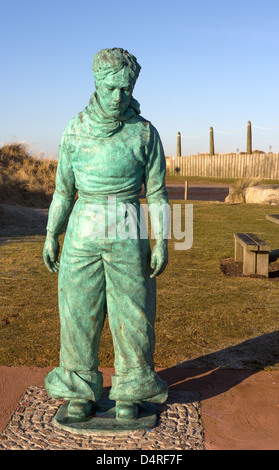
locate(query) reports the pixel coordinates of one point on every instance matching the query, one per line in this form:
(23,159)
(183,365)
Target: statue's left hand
(159,257)
(51,252)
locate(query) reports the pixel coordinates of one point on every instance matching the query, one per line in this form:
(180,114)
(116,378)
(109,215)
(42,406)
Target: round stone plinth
(104,421)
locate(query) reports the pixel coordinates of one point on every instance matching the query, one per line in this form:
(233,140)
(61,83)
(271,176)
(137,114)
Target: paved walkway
(198,192)
(237,409)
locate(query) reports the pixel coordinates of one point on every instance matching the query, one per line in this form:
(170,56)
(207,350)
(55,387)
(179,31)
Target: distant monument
(107,152)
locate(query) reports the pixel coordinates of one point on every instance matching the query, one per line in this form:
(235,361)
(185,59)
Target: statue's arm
(157,199)
(60,208)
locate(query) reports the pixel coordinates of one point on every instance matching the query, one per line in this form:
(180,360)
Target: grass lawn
(199,309)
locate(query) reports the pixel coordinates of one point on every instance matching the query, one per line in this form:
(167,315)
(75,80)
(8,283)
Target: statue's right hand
(51,252)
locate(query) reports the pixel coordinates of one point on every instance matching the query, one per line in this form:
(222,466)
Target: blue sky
(204,63)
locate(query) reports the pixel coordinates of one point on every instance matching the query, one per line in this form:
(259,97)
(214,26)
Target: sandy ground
(240,408)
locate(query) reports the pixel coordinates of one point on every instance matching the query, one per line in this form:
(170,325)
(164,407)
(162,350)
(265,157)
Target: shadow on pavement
(212,375)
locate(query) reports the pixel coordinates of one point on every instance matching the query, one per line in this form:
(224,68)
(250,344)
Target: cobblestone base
(31,427)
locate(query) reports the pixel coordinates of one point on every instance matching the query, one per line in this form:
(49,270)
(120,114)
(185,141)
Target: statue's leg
(131,301)
(81,295)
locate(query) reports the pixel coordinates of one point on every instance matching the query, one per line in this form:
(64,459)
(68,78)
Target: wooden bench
(253,252)
(273,218)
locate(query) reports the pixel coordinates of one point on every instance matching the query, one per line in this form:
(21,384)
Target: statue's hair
(112,60)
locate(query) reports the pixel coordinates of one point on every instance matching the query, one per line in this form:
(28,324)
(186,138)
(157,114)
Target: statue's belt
(107,198)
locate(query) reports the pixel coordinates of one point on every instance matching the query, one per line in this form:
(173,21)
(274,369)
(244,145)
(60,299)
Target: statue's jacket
(105,163)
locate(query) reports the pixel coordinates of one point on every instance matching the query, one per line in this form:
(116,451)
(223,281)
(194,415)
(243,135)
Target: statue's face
(115,92)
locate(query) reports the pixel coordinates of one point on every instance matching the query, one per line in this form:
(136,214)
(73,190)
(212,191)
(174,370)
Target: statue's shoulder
(74,125)
(149,130)
(71,131)
(138,118)
(146,125)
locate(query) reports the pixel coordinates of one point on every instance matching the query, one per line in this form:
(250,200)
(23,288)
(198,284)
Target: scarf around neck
(104,125)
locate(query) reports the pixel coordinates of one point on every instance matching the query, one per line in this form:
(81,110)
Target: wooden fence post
(186,191)
(211,142)
(178,154)
(249,138)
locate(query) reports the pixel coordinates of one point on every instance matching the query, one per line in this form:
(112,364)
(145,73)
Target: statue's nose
(117,96)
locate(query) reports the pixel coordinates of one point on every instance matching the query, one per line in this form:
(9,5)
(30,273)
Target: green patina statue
(107,152)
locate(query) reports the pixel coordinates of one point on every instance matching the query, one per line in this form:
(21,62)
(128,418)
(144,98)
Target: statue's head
(115,71)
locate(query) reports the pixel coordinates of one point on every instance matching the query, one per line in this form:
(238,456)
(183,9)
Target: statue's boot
(126,411)
(161,397)
(80,408)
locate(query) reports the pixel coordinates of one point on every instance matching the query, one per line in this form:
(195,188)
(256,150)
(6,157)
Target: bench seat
(273,218)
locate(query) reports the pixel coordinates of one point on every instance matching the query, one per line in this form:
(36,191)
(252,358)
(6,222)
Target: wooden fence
(256,165)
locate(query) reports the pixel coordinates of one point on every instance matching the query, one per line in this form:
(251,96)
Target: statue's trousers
(100,276)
